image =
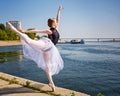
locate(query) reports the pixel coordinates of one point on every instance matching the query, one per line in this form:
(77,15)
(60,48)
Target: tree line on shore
(7,34)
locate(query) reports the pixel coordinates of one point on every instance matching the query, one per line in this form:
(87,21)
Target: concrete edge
(42,86)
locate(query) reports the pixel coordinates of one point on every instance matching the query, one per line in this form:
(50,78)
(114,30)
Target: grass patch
(73,94)
(13,81)
(100,94)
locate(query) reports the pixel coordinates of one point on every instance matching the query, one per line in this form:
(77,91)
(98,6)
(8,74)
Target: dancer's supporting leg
(48,71)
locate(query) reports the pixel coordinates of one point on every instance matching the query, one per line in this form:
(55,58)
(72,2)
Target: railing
(91,39)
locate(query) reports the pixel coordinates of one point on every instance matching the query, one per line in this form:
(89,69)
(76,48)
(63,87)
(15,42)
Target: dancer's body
(43,51)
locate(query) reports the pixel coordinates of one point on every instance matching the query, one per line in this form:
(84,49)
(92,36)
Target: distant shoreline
(10,42)
(18,42)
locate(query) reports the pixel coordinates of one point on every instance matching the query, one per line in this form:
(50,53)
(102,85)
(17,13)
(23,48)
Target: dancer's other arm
(36,31)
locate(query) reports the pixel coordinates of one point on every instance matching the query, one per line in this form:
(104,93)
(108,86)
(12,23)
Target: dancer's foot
(52,86)
(13,28)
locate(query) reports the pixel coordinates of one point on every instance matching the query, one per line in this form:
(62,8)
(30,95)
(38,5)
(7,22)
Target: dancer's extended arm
(58,15)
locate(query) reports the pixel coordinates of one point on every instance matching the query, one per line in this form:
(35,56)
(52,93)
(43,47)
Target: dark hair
(51,21)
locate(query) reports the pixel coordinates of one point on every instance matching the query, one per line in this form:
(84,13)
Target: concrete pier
(16,86)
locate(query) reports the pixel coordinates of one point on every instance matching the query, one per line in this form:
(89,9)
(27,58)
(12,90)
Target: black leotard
(54,37)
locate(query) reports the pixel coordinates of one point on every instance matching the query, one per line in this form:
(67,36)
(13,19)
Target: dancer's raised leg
(34,43)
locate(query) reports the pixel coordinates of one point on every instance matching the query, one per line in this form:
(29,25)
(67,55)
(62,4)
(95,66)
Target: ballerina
(42,51)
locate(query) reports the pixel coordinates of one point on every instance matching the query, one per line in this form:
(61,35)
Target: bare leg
(48,72)
(51,83)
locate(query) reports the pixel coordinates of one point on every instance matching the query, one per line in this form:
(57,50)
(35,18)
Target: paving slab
(7,89)
(3,83)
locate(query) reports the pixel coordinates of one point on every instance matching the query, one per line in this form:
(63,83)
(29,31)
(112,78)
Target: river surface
(92,68)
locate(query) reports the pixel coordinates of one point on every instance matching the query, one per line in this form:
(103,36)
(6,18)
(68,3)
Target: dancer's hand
(20,30)
(60,7)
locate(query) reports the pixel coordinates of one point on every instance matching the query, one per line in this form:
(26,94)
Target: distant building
(16,24)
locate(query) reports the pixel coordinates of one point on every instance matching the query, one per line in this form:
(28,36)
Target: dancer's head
(52,22)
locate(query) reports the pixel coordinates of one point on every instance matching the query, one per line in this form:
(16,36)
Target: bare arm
(37,31)
(58,14)
(34,31)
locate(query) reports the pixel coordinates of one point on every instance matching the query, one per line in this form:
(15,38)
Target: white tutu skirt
(37,55)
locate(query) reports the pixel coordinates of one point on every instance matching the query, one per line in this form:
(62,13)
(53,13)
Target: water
(91,68)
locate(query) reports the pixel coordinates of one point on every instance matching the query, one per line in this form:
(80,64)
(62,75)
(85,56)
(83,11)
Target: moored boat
(77,41)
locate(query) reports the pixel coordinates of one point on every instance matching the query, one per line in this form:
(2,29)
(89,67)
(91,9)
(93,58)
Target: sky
(79,18)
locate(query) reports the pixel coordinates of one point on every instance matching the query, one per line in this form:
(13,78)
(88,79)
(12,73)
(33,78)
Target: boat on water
(77,41)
